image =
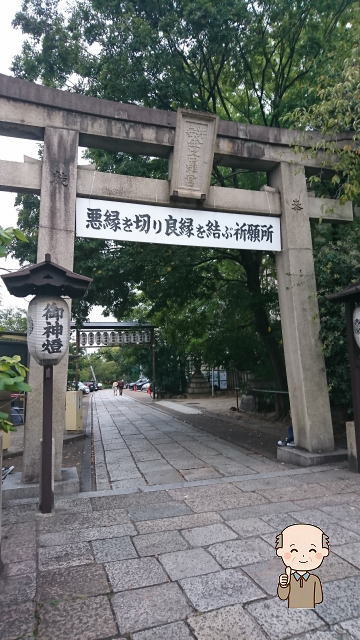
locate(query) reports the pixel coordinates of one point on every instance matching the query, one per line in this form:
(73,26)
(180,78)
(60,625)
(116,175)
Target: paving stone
(142,608)
(327,501)
(203,473)
(259,510)
(163,477)
(130,483)
(114,445)
(237,553)
(14,551)
(247,527)
(151,544)
(113,549)
(27,567)
(68,555)
(117,455)
(135,573)
(353,627)
(341,600)
(178,522)
(69,521)
(72,582)
(232,468)
(156,511)
(343,512)
(17,620)
(295,493)
(20,533)
(151,466)
(349,552)
(124,501)
(97,533)
(186,463)
(144,456)
(85,619)
(174,631)
(280,622)
(339,486)
(203,536)
(280,521)
(277,482)
(208,491)
(82,505)
(220,589)
(325,634)
(313,516)
(16,589)
(229,623)
(212,498)
(184,564)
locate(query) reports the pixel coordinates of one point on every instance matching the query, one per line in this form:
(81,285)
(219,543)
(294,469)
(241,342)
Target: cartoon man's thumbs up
(284,579)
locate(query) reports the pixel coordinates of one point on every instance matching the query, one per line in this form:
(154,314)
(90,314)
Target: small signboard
(110,220)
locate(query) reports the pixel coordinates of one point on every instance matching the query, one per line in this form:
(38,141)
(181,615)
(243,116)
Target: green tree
(246,61)
(336,115)
(13,320)
(12,372)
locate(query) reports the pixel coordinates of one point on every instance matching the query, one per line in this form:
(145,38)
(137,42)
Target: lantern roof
(350,293)
(46,278)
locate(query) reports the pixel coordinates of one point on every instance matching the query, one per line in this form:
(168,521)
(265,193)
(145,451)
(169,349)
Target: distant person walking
(115,387)
(121,385)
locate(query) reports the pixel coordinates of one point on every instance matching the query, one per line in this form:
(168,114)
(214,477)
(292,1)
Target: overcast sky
(15,149)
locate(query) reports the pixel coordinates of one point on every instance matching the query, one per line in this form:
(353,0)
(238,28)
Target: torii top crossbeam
(117,126)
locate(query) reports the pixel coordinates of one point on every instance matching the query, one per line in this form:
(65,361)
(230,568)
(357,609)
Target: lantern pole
(46,488)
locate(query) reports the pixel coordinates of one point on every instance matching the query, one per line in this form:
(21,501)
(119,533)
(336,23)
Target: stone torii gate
(64,120)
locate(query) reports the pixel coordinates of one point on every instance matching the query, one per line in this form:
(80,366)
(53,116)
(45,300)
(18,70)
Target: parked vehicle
(92,385)
(146,386)
(139,383)
(82,387)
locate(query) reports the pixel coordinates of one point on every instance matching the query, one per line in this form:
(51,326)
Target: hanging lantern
(356,325)
(48,329)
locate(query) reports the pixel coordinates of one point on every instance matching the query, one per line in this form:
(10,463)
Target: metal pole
(46,488)
(354,358)
(212,382)
(77,376)
(153,364)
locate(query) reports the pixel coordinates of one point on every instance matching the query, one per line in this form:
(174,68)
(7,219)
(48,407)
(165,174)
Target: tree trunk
(251,263)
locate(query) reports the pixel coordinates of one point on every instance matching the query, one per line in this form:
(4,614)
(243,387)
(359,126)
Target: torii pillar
(304,359)
(56,236)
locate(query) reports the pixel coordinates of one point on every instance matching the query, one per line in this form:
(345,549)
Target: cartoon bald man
(302,548)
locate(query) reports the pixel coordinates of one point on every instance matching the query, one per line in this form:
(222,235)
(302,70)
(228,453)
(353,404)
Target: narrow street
(177,543)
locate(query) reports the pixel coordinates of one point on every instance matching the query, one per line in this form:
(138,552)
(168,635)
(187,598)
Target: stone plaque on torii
(192,142)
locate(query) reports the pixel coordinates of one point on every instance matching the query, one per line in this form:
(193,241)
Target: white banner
(169,225)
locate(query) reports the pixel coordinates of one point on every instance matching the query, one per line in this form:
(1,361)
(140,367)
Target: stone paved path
(159,554)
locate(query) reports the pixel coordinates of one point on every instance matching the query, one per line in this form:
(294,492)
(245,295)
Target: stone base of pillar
(14,488)
(198,386)
(351,445)
(302,458)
